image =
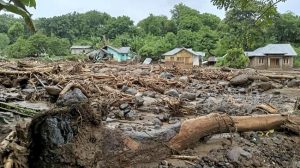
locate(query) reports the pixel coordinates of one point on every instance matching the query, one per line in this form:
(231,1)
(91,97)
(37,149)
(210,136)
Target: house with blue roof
(272,56)
(119,54)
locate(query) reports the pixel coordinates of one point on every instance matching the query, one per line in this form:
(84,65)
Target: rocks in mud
(172,93)
(124,106)
(139,101)
(125,112)
(188,96)
(72,97)
(129,90)
(263,86)
(236,152)
(293,83)
(239,80)
(166,75)
(184,79)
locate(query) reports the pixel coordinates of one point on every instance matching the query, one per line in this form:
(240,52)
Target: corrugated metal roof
(282,49)
(81,47)
(122,50)
(177,50)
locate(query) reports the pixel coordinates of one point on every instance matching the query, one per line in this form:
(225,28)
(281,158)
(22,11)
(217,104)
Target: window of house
(286,61)
(180,59)
(260,60)
(172,58)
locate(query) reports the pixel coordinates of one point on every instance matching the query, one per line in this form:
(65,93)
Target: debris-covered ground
(122,115)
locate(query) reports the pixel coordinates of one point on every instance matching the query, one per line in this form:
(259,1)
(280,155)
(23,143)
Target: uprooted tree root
(73,137)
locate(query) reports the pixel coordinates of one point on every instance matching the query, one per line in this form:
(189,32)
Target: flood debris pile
(108,115)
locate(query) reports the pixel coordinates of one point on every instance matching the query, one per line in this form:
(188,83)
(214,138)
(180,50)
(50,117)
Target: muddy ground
(126,106)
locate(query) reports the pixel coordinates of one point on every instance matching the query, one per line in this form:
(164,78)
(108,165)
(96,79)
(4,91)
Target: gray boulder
(242,79)
(72,97)
(166,75)
(172,93)
(293,83)
(188,96)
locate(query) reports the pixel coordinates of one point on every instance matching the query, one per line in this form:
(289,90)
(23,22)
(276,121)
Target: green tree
(235,58)
(20,49)
(171,39)
(15,31)
(58,46)
(157,25)
(186,38)
(286,28)
(4,41)
(118,26)
(206,41)
(186,18)
(39,43)
(154,47)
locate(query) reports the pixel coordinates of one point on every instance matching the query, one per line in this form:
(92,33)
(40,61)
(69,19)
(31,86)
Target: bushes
(37,45)
(20,49)
(235,58)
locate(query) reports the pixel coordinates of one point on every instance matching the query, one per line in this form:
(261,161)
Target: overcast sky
(135,9)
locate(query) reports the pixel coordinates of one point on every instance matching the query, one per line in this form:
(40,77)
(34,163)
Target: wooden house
(184,56)
(272,56)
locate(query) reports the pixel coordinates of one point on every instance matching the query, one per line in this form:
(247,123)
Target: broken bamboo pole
(193,130)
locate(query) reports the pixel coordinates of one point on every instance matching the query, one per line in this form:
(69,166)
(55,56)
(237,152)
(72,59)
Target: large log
(193,130)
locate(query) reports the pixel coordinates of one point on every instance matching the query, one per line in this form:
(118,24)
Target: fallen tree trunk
(193,130)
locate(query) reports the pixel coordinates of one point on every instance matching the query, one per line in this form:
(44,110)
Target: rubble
(110,115)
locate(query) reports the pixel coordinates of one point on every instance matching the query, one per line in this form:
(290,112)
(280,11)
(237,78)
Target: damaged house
(272,56)
(184,56)
(109,52)
(119,54)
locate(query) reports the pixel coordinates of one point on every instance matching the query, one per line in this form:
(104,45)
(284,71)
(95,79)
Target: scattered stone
(124,106)
(242,90)
(293,83)
(164,117)
(149,94)
(166,75)
(188,96)
(263,86)
(235,153)
(139,101)
(184,79)
(156,121)
(149,101)
(72,97)
(119,114)
(172,93)
(131,91)
(130,116)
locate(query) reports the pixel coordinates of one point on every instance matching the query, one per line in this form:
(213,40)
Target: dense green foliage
(4,41)
(247,25)
(235,58)
(38,44)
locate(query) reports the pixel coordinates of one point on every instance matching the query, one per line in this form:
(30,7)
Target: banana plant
(19,7)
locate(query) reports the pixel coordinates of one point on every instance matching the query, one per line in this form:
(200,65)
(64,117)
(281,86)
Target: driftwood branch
(194,129)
